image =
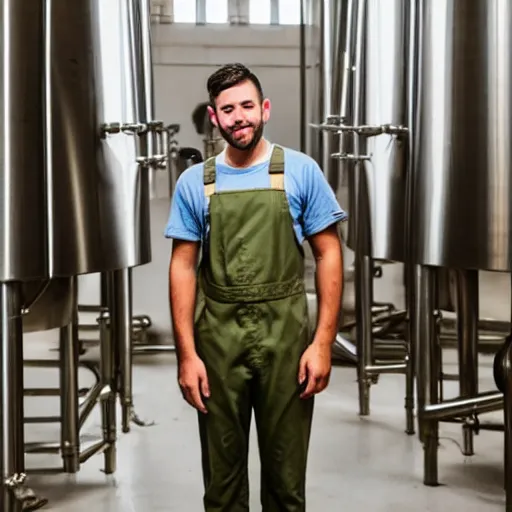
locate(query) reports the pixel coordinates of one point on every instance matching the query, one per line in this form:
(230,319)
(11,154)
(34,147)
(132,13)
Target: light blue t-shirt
(313,204)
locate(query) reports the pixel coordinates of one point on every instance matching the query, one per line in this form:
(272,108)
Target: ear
(265,107)
(213,116)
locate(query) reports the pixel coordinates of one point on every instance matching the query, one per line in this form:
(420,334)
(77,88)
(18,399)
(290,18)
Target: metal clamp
(114,128)
(109,129)
(158,132)
(135,128)
(335,124)
(156,126)
(350,157)
(152,161)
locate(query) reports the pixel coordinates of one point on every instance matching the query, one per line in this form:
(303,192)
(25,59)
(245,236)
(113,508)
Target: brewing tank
(333,26)
(23,223)
(76,164)
(98,103)
(326,28)
(126,95)
(463,190)
(383,101)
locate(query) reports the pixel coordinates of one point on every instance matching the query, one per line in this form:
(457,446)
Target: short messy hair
(228,76)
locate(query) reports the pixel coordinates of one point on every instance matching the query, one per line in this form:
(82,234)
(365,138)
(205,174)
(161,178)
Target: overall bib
(251,331)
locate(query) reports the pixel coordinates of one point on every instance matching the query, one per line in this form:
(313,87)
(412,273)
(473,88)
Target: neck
(245,158)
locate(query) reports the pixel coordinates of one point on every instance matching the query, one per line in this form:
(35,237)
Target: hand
(315,366)
(193,382)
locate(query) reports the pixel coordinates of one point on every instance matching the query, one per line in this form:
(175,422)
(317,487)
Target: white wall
(185,55)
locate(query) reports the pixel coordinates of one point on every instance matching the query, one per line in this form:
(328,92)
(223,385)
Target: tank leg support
(409,395)
(364,300)
(467,326)
(410,360)
(121,314)
(16,497)
(108,402)
(427,369)
(70,444)
(367,370)
(70,431)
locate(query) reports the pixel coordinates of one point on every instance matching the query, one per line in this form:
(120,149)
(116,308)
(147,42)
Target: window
(259,12)
(289,12)
(185,11)
(216,11)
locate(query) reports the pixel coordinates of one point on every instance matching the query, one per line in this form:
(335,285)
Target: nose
(238,116)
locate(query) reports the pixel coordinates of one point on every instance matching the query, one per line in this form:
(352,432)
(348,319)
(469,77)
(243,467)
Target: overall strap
(276,168)
(209,177)
(276,171)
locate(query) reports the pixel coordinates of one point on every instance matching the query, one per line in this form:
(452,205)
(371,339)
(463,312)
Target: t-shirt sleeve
(185,218)
(320,206)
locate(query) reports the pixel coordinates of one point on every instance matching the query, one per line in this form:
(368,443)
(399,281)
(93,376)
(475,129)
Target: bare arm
(192,375)
(327,251)
(182,295)
(315,364)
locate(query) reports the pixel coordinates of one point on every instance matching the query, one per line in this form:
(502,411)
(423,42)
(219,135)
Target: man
(241,321)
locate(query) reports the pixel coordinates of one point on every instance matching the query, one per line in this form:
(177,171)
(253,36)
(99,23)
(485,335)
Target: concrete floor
(356,464)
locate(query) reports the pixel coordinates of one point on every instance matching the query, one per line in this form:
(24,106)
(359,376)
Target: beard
(257,134)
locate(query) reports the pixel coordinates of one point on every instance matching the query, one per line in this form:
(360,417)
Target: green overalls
(251,330)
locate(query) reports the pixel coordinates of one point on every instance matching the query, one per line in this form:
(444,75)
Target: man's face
(240,115)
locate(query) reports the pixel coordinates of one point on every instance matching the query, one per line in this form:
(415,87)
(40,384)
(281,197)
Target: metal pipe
(68,341)
(95,449)
(390,368)
(427,365)
(121,322)
(87,406)
(467,316)
(364,330)
(485,402)
(12,434)
(409,268)
(484,324)
(346,350)
(108,404)
(103,295)
(15,495)
(347,64)
(363,267)
(302,64)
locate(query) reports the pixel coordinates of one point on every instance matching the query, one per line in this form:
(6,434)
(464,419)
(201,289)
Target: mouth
(242,130)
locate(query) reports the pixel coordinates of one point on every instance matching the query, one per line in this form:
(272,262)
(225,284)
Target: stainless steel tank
(123,48)
(76,164)
(48,304)
(462,185)
(331,52)
(23,223)
(98,105)
(326,28)
(383,101)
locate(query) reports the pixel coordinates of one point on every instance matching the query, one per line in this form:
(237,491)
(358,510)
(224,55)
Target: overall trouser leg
(283,419)
(224,431)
